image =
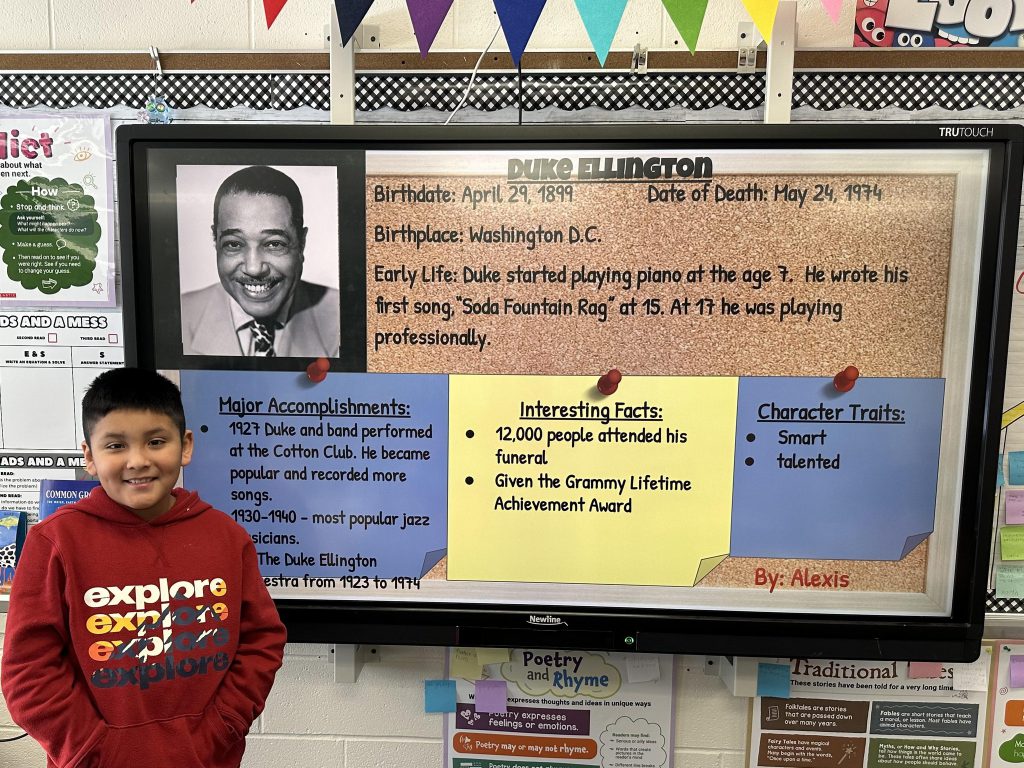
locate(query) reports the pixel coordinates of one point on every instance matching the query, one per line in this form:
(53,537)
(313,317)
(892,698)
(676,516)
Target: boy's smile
(137,456)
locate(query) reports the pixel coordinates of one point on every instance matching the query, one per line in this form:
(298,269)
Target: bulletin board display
(805,326)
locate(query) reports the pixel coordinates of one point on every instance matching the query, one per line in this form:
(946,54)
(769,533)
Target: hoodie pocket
(160,744)
(218,740)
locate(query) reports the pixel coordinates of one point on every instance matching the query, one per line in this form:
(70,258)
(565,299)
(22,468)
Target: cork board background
(886,329)
(891,327)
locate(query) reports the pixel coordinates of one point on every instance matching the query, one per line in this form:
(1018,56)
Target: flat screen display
(730,390)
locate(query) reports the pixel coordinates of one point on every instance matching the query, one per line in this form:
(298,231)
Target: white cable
(472,77)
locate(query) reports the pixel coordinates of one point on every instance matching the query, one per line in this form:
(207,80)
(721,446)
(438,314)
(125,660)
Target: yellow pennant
(763,14)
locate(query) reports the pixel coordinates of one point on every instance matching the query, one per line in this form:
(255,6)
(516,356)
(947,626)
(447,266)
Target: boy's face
(137,456)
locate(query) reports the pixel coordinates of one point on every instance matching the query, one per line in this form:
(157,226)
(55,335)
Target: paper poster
(1007,739)
(814,676)
(886,724)
(56,212)
(47,361)
(910,24)
(564,709)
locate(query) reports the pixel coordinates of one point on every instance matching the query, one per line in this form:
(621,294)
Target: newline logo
(545,620)
(965,132)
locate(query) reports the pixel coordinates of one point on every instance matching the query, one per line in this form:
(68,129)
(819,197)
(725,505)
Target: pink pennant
(427,17)
(833,9)
(272,8)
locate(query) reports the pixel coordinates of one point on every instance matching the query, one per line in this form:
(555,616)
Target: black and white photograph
(258,259)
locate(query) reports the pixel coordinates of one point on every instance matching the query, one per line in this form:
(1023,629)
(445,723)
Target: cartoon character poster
(933,24)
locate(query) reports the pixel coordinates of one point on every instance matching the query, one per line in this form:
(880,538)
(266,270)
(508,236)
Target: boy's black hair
(131,389)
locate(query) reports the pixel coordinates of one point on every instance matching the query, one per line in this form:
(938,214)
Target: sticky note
(1017,671)
(492,655)
(1000,480)
(1014,507)
(919,669)
(971,677)
(438,695)
(1009,581)
(642,668)
(1011,542)
(465,664)
(773,680)
(1015,460)
(491,696)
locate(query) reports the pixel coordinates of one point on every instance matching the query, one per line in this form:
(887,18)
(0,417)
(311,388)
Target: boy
(140,632)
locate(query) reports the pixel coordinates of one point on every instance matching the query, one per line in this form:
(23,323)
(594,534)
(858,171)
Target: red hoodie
(133,643)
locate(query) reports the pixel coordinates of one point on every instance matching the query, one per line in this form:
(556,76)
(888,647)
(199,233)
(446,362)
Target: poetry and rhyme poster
(563,709)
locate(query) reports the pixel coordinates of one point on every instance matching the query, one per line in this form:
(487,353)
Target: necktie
(263,338)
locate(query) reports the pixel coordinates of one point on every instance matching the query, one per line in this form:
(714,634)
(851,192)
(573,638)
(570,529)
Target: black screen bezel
(954,638)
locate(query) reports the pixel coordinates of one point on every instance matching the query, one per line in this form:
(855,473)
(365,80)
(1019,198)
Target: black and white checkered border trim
(612,91)
(870,91)
(255,90)
(995,604)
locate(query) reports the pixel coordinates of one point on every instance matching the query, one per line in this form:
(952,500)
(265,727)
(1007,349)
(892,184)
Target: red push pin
(317,370)
(845,379)
(608,383)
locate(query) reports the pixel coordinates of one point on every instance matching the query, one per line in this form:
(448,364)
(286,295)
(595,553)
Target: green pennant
(688,16)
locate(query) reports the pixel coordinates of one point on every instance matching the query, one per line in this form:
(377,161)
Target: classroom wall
(310,720)
(378,721)
(85,25)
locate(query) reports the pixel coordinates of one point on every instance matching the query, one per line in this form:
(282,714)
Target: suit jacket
(313,328)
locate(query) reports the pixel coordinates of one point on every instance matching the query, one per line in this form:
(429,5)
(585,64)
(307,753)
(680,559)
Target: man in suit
(262,307)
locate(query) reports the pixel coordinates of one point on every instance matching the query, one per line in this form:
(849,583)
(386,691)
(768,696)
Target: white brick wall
(378,722)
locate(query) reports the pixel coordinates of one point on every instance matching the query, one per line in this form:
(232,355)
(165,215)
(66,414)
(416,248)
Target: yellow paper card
(1011,541)
(464,664)
(559,483)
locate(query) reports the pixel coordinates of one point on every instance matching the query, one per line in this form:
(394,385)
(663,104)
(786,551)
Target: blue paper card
(773,680)
(1000,480)
(438,695)
(800,518)
(1016,467)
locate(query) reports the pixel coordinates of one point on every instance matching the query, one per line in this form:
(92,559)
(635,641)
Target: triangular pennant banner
(427,17)
(518,20)
(272,8)
(833,9)
(601,18)
(763,14)
(688,16)
(350,16)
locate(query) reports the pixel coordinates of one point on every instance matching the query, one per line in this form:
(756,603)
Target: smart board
(677,389)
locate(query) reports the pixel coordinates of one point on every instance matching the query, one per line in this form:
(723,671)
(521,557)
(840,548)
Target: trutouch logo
(548,620)
(968,132)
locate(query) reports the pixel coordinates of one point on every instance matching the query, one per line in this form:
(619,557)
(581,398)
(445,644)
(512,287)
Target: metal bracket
(778,101)
(368,36)
(343,75)
(739,674)
(349,661)
(638,64)
(154,54)
(746,46)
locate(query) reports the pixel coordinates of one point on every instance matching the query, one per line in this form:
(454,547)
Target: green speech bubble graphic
(49,233)
(1012,751)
